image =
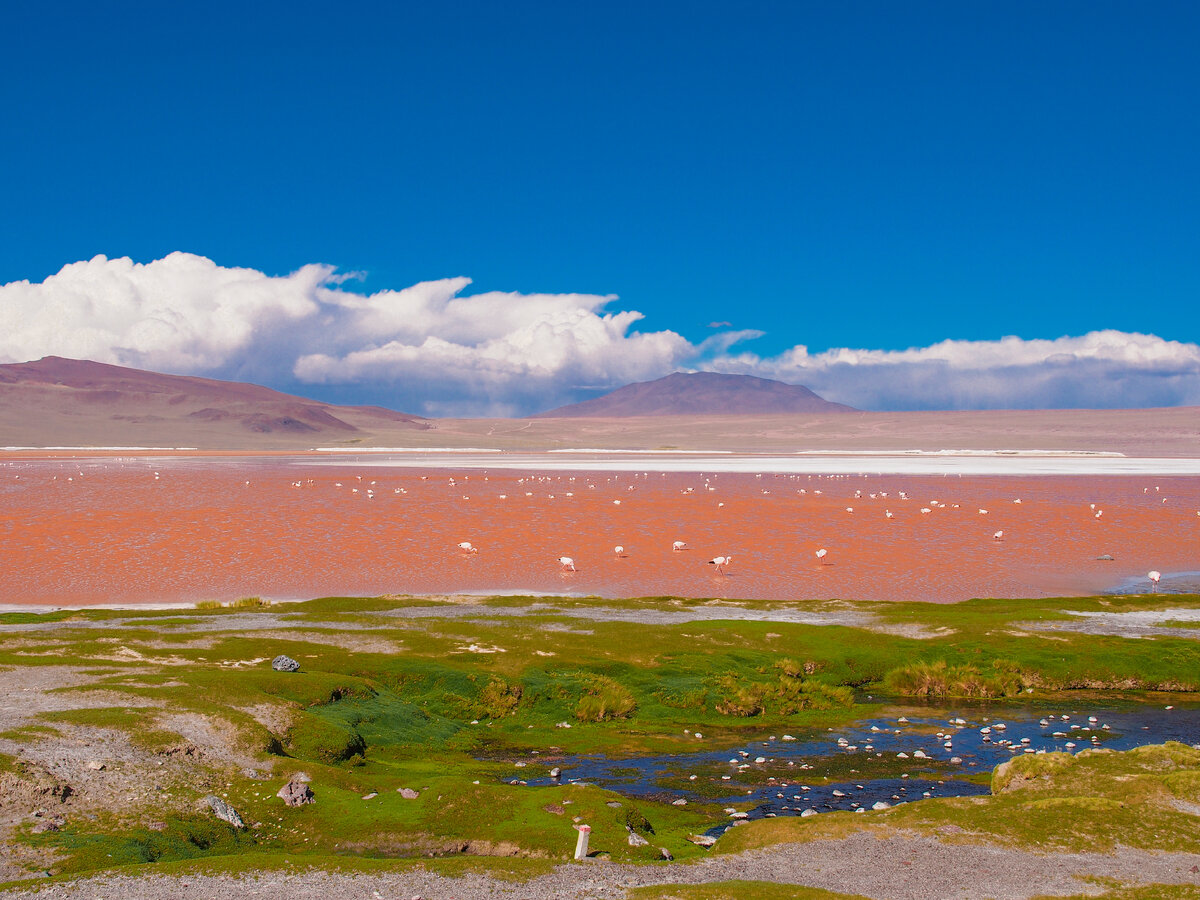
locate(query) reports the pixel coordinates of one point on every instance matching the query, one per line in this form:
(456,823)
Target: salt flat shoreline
(802,462)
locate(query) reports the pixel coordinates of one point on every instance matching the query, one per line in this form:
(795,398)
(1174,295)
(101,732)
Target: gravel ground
(897,868)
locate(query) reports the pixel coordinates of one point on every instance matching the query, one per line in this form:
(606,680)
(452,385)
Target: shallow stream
(856,766)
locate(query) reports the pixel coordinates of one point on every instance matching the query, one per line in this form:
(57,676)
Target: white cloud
(428,348)
(1103,369)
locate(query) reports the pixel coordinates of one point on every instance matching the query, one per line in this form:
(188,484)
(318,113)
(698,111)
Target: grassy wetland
(485,712)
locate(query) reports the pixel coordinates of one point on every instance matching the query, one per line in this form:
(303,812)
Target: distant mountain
(701,393)
(73,402)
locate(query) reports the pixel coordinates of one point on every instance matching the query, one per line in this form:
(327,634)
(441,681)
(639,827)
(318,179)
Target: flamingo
(619,551)
(720,562)
(679,545)
(568,564)
(821,555)
(887,513)
(1154,575)
(998,536)
(467,547)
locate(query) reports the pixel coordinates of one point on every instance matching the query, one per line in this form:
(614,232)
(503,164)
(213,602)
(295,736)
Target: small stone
(880,804)
(371,796)
(666,854)
(408,793)
(283,663)
(615,804)
(679,802)
(1104,558)
(555,772)
(702,840)
(636,840)
(96,766)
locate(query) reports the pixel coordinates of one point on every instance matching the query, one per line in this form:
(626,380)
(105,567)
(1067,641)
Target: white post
(581,844)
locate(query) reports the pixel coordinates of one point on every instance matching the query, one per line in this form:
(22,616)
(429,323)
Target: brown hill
(72,402)
(701,393)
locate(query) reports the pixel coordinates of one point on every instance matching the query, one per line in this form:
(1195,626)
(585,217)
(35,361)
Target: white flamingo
(467,547)
(568,564)
(1154,575)
(618,551)
(821,554)
(720,562)
(679,545)
(998,536)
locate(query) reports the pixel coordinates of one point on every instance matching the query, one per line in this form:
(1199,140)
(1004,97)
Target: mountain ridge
(701,393)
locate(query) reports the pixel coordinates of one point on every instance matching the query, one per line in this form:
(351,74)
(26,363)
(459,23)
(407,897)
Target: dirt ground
(898,867)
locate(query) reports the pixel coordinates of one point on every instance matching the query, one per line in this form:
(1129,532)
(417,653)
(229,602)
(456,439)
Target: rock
(53,823)
(807,813)
(296,792)
(555,772)
(96,766)
(666,854)
(636,840)
(554,809)
(371,796)
(223,811)
(615,804)
(408,793)
(919,754)
(880,804)
(283,663)
(1104,558)
(679,802)
(702,840)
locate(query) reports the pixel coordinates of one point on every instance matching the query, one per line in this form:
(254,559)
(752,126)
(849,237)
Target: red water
(109,531)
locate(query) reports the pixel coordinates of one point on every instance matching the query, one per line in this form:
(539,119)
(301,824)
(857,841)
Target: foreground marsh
(118,722)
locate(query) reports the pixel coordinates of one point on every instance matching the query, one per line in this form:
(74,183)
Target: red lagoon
(78,532)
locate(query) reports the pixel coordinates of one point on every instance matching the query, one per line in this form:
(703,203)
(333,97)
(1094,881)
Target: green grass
(438,718)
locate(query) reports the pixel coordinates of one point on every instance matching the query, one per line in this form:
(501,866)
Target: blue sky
(875,176)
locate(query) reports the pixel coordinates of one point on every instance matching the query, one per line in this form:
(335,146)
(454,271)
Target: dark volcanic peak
(702,393)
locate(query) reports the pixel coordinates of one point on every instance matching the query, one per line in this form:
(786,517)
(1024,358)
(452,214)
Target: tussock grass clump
(498,699)
(790,693)
(939,679)
(603,699)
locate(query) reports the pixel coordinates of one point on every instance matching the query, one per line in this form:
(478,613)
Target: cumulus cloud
(435,349)
(1101,369)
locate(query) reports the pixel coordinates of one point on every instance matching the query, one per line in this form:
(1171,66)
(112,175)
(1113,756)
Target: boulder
(636,840)
(223,811)
(702,840)
(283,663)
(408,793)
(296,792)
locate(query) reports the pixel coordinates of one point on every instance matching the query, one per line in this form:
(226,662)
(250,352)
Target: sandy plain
(91,529)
